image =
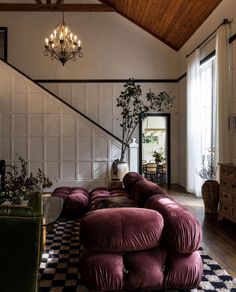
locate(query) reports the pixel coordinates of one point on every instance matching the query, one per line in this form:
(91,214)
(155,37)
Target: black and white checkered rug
(59,269)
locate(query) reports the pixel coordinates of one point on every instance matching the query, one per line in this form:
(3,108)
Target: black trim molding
(4,29)
(105,80)
(232,38)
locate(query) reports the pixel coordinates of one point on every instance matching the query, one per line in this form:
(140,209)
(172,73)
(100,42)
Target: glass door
(154,151)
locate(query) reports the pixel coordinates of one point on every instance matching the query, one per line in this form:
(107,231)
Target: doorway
(154,150)
(3,43)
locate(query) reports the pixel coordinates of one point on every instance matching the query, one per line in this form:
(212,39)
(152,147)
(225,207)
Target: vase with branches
(210,187)
(134,108)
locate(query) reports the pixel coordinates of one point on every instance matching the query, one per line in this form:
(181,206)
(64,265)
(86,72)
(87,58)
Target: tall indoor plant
(135,108)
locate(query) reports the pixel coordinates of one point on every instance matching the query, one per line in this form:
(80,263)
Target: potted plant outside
(158,156)
(210,187)
(135,108)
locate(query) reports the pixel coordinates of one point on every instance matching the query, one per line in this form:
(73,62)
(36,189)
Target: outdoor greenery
(18,184)
(158,156)
(134,109)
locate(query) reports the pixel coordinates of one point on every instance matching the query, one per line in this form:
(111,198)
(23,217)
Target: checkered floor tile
(59,269)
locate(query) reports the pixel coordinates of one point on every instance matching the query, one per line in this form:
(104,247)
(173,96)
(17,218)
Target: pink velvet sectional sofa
(148,243)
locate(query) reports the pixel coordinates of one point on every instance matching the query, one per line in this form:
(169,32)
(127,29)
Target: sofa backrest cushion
(130,179)
(143,190)
(121,229)
(182,231)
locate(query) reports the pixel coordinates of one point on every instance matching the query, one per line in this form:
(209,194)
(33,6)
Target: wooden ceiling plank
(109,2)
(55,7)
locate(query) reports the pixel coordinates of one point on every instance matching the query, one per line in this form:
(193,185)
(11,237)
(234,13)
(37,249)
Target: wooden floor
(219,238)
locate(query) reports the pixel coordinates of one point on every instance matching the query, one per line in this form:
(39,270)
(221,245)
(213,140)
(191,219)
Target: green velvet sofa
(20,245)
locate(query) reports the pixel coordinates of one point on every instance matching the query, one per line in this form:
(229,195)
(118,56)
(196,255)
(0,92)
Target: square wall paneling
(100,148)
(36,103)
(84,170)
(20,124)
(5,81)
(85,147)
(68,148)
(65,92)
(5,102)
(84,130)
(100,170)
(36,148)
(52,148)
(20,102)
(52,87)
(52,124)
(20,146)
(79,96)
(68,125)
(68,170)
(36,124)
(5,148)
(52,170)
(5,124)
(92,101)
(19,86)
(114,151)
(51,107)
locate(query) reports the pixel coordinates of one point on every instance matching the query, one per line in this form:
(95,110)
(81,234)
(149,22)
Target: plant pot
(119,170)
(210,194)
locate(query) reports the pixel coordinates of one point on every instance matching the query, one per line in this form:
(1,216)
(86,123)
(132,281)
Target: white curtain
(222,94)
(194,156)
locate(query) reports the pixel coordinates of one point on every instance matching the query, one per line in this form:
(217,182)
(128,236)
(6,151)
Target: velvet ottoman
(76,201)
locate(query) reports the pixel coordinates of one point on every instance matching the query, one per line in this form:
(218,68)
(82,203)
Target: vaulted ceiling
(171,21)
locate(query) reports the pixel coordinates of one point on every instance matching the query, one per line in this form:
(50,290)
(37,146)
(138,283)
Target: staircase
(51,135)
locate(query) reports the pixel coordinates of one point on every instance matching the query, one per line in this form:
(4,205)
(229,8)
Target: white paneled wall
(50,135)
(98,100)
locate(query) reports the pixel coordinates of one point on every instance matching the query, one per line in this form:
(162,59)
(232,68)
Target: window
(208,108)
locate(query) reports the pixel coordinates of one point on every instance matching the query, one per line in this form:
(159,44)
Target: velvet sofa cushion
(184,271)
(102,271)
(143,190)
(130,179)
(76,200)
(182,232)
(121,229)
(145,269)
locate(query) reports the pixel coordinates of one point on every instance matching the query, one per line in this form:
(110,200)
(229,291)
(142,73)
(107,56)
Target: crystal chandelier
(62,44)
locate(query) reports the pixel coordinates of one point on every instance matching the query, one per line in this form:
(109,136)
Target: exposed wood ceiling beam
(55,7)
